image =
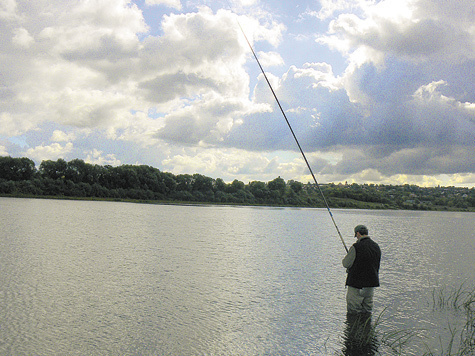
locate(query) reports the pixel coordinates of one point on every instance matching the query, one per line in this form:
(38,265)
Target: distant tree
(17,169)
(236,186)
(30,187)
(78,171)
(7,187)
(259,190)
(219,185)
(169,180)
(277,184)
(471,197)
(26,169)
(222,197)
(150,178)
(184,182)
(99,191)
(7,168)
(296,187)
(202,183)
(53,169)
(18,176)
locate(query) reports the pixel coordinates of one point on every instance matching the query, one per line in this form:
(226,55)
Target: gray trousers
(359,300)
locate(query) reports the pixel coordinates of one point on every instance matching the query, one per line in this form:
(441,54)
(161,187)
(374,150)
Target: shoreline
(374,206)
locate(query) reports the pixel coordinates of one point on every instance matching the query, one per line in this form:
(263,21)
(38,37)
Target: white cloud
(208,120)
(416,30)
(49,152)
(321,74)
(443,119)
(97,157)
(245,2)
(230,164)
(88,69)
(430,93)
(138,128)
(60,136)
(103,29)
(22,38)
(330,7)
(8,9)
(322,115)
(13,124)
(205,59)
(170,3)
(374,177)
(270,59)
(64,76)
(3,151)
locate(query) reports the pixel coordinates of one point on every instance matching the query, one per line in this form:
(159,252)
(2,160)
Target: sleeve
(349,258)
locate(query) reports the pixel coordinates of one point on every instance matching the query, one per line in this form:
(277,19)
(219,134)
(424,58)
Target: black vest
(365,270)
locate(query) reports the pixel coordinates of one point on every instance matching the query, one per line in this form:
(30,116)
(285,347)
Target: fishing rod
(295,137)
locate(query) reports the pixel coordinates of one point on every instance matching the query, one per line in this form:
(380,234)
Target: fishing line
(295,137)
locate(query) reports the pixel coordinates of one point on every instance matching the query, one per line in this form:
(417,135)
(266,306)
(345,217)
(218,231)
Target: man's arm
(349,258)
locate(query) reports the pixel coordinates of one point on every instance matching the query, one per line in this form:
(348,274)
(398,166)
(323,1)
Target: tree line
(78,179)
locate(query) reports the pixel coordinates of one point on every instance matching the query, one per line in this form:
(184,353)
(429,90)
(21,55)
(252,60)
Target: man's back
(365,270)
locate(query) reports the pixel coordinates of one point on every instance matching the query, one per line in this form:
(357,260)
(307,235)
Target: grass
(457,298)
(461,342)
(463,299)
(398,340)
(364,337)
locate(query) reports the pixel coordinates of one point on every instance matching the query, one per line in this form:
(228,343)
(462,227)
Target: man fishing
(362,263)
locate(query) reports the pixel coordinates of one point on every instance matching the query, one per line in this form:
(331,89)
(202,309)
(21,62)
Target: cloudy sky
(377,91)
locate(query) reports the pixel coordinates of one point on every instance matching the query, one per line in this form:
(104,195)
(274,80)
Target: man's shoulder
(366,240)
(363,240)
(373,245)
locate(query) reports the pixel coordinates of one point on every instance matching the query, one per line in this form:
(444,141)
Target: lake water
(109,278)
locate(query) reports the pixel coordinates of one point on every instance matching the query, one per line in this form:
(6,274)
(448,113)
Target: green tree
(17,169)
(296,187)
(219,185)
(259,190)
(236,186)
(150,178)
(169,180)
(53,169)
(77,171)
(277,185)
(184,182)
(202,183)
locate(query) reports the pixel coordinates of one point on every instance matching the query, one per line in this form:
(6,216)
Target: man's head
(362,230)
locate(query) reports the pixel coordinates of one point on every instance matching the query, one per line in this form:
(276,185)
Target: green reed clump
(360,335)
(364,336)
(459,298)
(467,344)
(367,335)
(456,298)
(396,340)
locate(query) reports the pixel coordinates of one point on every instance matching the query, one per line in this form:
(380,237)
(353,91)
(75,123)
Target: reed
(366,334)
(461,343)
(456,298)
(396,340)
(459,298)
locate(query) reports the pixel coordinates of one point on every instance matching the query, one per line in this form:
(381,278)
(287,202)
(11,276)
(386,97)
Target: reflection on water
(359,336)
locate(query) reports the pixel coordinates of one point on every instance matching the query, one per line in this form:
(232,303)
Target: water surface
(108,278)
